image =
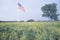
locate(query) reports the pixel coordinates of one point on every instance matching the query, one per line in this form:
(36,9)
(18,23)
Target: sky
(9,9)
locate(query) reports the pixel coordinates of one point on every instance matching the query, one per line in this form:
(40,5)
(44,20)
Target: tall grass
(30,31)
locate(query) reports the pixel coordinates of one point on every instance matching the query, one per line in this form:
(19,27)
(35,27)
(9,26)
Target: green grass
(30,31)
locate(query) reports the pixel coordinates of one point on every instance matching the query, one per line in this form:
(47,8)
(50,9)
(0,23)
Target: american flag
(21,7)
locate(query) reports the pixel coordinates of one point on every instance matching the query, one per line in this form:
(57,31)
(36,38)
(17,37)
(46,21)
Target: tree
(50,10)
(30,20)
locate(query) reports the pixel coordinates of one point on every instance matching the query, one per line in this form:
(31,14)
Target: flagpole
(17,16)
(17,13)
(20,7)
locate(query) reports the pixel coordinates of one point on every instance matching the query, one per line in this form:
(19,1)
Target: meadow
(29,30)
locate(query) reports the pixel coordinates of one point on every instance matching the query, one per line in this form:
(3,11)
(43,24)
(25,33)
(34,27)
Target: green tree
(50,11)
(30,20)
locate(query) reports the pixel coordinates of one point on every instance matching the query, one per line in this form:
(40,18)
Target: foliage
(31,20)
(50,11)
(30,31)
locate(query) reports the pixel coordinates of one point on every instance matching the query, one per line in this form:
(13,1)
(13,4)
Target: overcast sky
(9,9)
